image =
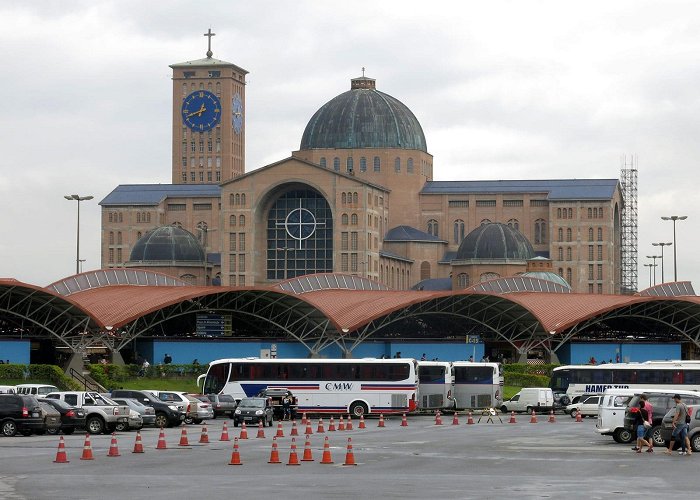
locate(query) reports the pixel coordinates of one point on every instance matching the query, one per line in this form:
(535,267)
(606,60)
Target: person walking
(649,434)
(286,407)
(640,417)
(680,428)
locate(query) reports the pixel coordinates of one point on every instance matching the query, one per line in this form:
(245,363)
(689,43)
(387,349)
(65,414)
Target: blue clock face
(201,110)
(237,110)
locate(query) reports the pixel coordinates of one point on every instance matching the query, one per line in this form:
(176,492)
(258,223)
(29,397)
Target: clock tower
(208,120)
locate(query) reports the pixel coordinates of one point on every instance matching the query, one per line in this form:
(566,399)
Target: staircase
(85,380)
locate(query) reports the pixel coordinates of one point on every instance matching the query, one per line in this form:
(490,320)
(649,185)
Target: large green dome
(167,244)
(363,117)
(495,241)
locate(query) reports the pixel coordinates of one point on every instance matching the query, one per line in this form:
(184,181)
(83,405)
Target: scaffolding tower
(629,233)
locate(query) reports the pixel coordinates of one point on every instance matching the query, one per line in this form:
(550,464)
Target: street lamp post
(78,198)
(662,245)
(675,218)
(649,266)
(654,257)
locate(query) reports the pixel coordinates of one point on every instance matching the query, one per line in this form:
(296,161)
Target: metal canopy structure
(115,315)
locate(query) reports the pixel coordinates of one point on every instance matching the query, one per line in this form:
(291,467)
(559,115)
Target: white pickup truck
(101,413)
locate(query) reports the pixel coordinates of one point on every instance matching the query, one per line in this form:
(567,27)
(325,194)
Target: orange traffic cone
(578,416)
(61,457)
(512,418)
(341,424)
(274,454)
(308,430)
(326,459)
(183,438)
(244,432)
(87,449)
(470,420)
(349,456)
(348,426)
(307,457)
(320,429)
(204,437)
(138,444)
(224,433)
(404,422)
(533,418)
(113,449)
(304,420)
(331,425)
(381,420)
(295,431)
(551,419)
(280,431)
(261,430)
(438,418)
(293,458)
(455,419)
(161,441)
(362,422)
(235,455)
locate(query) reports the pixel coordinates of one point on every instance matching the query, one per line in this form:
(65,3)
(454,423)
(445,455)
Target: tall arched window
(232,221)
(409,166)
(397,164)
(568,234)
(353,219)
(363,164)
(540,232)
(241,221)
(558,213)
(590,213)
(571,213)
(119,237)
(238,199)
(344,219)
(377,164)
(343,198)
(336,164)
(425,270)
(349,164)
(138,217)
(322,161)
(462,280)
(355,198)
(568,253)
(560,272)
(560,234)
(568,275)
(433,227)
(458,230)
(590,234)
(514,224)
(243,199)
(600,234)
(111,238)
(561,253)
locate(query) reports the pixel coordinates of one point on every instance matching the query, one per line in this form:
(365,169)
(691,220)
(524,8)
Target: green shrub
(117,375)
(526,380)
(526,368)
(41,373)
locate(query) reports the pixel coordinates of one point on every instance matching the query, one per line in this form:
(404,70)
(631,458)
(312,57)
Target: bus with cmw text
(355,386)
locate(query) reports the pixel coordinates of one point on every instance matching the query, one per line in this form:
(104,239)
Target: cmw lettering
(339,386)
(601,388)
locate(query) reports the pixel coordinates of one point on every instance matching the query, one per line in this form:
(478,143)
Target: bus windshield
(216,378)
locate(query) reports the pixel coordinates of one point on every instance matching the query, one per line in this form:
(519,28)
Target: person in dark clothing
(167,359)
(641,416)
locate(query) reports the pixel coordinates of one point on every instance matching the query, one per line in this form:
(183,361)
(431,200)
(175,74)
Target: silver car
(148,414)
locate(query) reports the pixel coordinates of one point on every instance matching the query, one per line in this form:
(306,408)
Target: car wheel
(9,428)
(565,401)
(53,431)
(504,409)
(573,413)
(94,425)
(656,436)
(122,427)
(623,436)
(528,410)
(358,409)
(189,420)
(695,442)
(68,431)
(161,420)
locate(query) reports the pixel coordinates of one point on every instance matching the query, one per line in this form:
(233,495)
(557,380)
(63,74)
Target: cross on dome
(209,34)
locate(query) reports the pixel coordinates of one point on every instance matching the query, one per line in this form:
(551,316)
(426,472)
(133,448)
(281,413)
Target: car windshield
(252,403)
(227,398)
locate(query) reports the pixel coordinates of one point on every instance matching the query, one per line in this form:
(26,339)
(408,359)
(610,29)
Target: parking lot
(522,460)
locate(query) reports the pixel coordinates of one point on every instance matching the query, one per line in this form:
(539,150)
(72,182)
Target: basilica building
(357,197)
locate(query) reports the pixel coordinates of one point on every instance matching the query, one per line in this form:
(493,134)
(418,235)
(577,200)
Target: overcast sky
(503,90)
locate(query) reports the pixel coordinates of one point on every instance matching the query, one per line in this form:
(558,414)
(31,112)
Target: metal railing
(87,383)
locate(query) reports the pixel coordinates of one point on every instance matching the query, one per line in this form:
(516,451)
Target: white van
(611,414)
(7,389)
(38,390)
(529,399)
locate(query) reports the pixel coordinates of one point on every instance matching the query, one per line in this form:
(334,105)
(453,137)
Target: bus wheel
(358,409)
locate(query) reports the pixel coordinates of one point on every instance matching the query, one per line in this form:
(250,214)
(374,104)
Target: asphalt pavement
(422,460)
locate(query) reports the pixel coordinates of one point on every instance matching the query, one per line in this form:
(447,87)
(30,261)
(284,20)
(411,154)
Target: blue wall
(17,351)
(576,354)
(186,351)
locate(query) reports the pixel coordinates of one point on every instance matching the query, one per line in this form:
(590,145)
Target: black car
(277,395)
(167,414)
(252,411)
(661,403)
(20,413)
(72,418)
(222,404)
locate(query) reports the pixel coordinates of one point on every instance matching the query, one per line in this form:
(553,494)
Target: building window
(409,166)
(600,272)
(232,239)
(485,203)
(111,255)
(590,272)
(322,161)
(600,213)
(344,219)
(397,164)
(489,276)
(355,198)
(600,288)
(590,288)
(590,234)
(462,280)
(568,253)
(344,263)
(377,164)
(353,240)
(349,165)
(218,162)
(600,234)
(560,234)
(558,213)
(458,230)
(425,270)
(232,265)
(209,175)
(241,221)
(241,242)
(241,263)
(243,199)
(363,164)
(568,234)
(514,224)
(241,280)
(336,164)
(343,198)
(561,253)
(512,203)
(590,213)
(218,175)
(569,275)
(344,240)
(353,220)
(433,227)
(458,203)
(111,238)
(560,272)
(540,232)
(138,235)
(590,252)
(600,252)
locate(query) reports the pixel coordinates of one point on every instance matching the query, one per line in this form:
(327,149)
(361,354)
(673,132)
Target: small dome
(495,241)
(167,243)
(363,117)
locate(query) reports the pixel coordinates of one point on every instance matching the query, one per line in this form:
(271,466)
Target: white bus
(573,380)
(435,385)
(355,386)
(478,385)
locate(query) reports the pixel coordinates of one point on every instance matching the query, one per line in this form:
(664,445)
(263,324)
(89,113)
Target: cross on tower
(209,34)
(363,71)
